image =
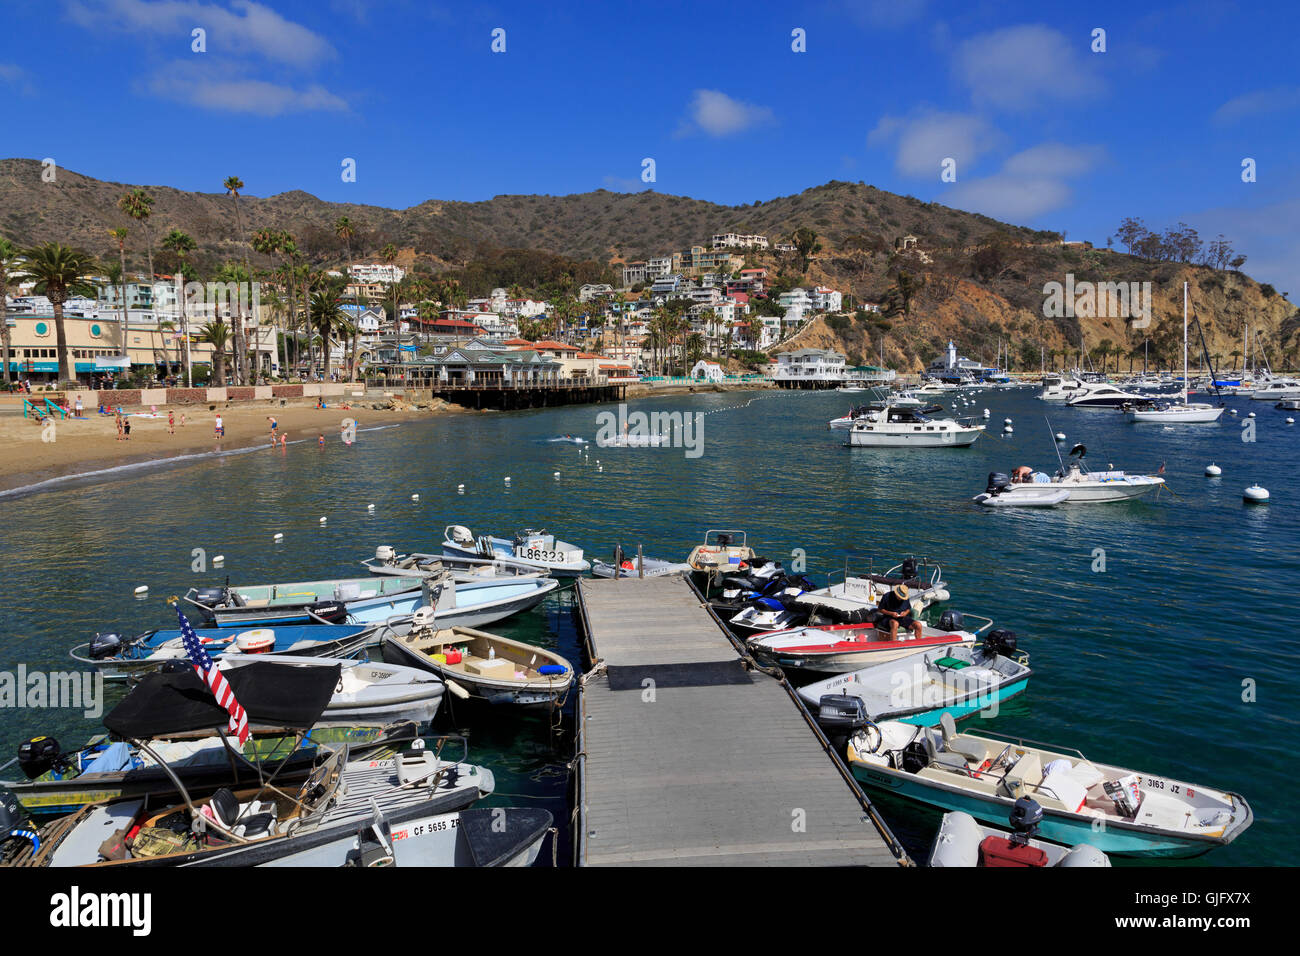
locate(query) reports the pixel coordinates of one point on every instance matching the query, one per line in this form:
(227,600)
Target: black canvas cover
(275,694)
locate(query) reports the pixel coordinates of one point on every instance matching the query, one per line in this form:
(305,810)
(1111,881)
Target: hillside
(979,281)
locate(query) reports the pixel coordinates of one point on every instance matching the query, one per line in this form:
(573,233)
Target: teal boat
(1119,811)
(368,600)
(958,679)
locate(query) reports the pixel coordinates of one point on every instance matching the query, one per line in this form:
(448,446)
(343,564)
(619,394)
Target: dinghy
(365,691)
(626,565)
(962,841)
(485,667)
(842,648)
(57,783)
(117,659)
(537,549)
(1117,810)
(354,600)
(960,679)
(424,565)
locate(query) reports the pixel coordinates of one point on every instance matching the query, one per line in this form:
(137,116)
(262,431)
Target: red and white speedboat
(839,648)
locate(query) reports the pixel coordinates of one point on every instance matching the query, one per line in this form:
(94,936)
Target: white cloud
(243,29)
(927,139)
(218,90)
(1274,100)
(716,114)
(1029,184)
(1022,67)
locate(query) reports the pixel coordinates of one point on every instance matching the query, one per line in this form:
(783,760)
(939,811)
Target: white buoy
(1060,436)
(1007,429)
(323,519)
(1232,411)
(370,507)
(557,475)
(1251,415)
(1255,495)
(1212,470)
(600,467)
(1006,421)
(279,537)
(1290,421)
(986,413)
(219,560)
(142,589)
(415,497)
(460,489)
(507,479)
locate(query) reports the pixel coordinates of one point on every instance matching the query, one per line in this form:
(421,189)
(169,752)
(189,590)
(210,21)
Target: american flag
(216,681)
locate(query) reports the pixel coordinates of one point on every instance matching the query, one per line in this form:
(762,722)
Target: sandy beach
(91,443)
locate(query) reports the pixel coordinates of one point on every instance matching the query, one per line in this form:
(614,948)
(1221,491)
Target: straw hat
(901,592)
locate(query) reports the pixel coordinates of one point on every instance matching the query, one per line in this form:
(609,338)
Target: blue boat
(1119,811)
(119,659)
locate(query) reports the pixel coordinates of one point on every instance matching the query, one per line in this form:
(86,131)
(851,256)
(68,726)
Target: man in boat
(1021,475)
(896,610)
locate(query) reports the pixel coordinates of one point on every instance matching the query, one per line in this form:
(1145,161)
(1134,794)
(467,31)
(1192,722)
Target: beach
(90,443)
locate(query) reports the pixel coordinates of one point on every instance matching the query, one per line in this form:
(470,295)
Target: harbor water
(1159,630)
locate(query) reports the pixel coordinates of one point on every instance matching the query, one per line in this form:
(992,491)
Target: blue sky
(1044,131)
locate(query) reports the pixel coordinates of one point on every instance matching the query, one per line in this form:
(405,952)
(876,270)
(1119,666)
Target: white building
(707,371)
(376,272)
(809,368)
(733,240)
(594,290)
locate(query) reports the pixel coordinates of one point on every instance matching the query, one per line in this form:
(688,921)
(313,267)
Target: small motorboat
(536,549)
(485,667)
(470,603)
(959,679)
(119,659)
(841,648)
(351,600)
(1117,810)
(851,591)
(1038,489)
(723,552)
(1289,404)
(1037,493)
(421,564)
(963,841)
(631,566)
(365,692)
(56,783)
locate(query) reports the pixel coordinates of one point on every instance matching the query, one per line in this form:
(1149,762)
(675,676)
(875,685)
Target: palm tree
(218,333)
(8,264)
(233,185)
(59,272)
(389,256)
(345,230)
(182,244)
(138,204)
(236,274)
(324,317)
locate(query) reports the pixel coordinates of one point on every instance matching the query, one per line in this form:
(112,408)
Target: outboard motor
(1026,815)
(1000,641)
(104,645)
(332,611)
(175,665)
(724,541)
(38,755)
(998,483)
(211,596)
(14,822)
(841,716)
(909,569)
(951,621)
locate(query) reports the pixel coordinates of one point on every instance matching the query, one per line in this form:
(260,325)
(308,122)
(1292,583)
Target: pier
(690,754)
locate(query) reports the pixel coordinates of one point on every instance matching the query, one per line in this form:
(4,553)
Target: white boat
(892,427)
(421,564)
(1115,809)
(841,648)
(1101,395)
(1082,486)
(452,603)
(625,565)
(1277,389)
(537,549)
(1183,412)
(964,842)
(1289,404)
(722,552)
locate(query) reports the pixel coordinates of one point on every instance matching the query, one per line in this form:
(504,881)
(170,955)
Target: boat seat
(972,750)
(945,759)
(247,819)
(1026,773)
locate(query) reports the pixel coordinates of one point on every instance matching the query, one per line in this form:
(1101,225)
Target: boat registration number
(422,827)
(542,554)
(1155,783)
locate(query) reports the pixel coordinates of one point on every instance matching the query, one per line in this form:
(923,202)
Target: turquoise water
(1141,664)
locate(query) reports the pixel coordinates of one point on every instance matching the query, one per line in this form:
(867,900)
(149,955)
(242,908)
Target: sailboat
(1176,412)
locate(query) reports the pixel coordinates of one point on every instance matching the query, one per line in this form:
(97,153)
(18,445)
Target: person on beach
(284,440)
(171,422)
(182,419)
(219,427)
(320,440)
(78,406)
(126,427)
(896,610)
(274,425)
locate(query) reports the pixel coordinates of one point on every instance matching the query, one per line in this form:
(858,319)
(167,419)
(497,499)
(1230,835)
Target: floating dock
(689,754)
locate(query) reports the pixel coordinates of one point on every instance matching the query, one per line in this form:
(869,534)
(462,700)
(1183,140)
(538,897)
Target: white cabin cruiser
(1057,388)
(893,427)
(537,549)
(1277,389)
(1101,395)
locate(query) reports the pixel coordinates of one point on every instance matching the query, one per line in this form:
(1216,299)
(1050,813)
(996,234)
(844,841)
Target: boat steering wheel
(880,737)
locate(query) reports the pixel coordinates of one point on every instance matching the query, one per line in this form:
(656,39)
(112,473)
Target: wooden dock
(690,755)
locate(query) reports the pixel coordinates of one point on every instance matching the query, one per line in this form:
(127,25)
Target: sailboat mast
(1184,343)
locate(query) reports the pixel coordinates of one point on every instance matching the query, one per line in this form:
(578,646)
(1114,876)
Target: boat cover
(273,694)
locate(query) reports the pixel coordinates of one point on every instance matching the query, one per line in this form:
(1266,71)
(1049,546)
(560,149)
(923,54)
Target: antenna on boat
(1055,444)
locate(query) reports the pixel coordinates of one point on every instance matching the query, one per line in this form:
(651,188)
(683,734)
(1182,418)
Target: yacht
(1101,395)
(1057,388)
(1277,389)
(893,427)
(1147,410)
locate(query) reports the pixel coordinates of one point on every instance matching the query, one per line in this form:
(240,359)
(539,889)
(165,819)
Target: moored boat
(840,648)
(537,549)
(893,427)
(353,600)
(964,842)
